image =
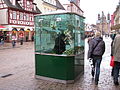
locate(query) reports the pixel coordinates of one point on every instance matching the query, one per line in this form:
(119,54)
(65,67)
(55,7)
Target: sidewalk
(19,62)
(9,45)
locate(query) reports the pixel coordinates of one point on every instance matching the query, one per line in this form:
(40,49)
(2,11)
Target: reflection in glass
(59,34)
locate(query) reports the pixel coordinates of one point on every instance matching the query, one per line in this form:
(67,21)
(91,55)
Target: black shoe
(112,74)
(93,72)
(96,82)
(116,83)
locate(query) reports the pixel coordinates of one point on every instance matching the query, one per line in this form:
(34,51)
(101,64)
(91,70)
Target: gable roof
(9,4)
(17,6)
(59,5)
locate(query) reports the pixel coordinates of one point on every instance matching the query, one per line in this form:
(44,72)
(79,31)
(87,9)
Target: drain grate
(7,75)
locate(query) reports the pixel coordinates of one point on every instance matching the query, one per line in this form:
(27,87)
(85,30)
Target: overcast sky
(91,8)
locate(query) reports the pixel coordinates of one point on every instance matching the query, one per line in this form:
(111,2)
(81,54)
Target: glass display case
(59,45)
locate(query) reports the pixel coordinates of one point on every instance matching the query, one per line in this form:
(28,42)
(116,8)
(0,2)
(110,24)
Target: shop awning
(3,28)
(27,30)
(21,29)
(14,29)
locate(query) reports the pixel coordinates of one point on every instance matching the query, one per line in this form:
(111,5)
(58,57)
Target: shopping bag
(112,61)
(91,62)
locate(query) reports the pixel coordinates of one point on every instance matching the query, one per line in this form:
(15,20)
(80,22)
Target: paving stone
(19,61)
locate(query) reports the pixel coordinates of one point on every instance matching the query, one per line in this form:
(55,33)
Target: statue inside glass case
(60,45)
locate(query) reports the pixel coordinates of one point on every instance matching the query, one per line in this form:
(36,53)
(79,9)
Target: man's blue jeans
(116,71)
(97,63)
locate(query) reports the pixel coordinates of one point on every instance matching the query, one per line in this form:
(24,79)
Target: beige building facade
(74,6)
(48,5)
(17,16)
(117,15)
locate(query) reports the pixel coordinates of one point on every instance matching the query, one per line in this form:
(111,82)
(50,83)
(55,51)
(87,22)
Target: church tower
(103,23)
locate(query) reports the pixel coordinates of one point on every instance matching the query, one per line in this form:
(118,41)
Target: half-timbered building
(18,17)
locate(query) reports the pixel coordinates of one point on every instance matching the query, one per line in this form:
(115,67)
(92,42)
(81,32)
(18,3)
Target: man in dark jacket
(59,47)
(96,51)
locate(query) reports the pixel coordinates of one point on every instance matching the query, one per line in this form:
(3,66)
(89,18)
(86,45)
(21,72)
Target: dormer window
(34,4)
(21,3)
(53,2)
(13,2)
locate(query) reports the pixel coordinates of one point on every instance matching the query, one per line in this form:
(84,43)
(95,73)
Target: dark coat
(96,47)
(59,47)
(1,38)
(116,48)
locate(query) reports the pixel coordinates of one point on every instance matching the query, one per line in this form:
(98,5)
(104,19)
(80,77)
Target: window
(18,15)
(10,14)
(27,17)
(21,16)
(28,3)
(32,17)
(21,3)
(11,1)
(44,9)
(51,1)
(14,15)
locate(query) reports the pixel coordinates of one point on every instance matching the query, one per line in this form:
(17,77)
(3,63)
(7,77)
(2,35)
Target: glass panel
(58,34)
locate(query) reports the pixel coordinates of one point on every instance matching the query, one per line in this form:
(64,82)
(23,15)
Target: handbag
(112,61)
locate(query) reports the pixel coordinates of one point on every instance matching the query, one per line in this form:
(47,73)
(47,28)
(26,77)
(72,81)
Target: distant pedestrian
(14,41)
(26,38)
(96,51)
(112,37)
(32,38)
(21,38)
(1,40)
(116,54)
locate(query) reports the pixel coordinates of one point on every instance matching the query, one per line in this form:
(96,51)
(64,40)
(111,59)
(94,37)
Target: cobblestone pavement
(17,71)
